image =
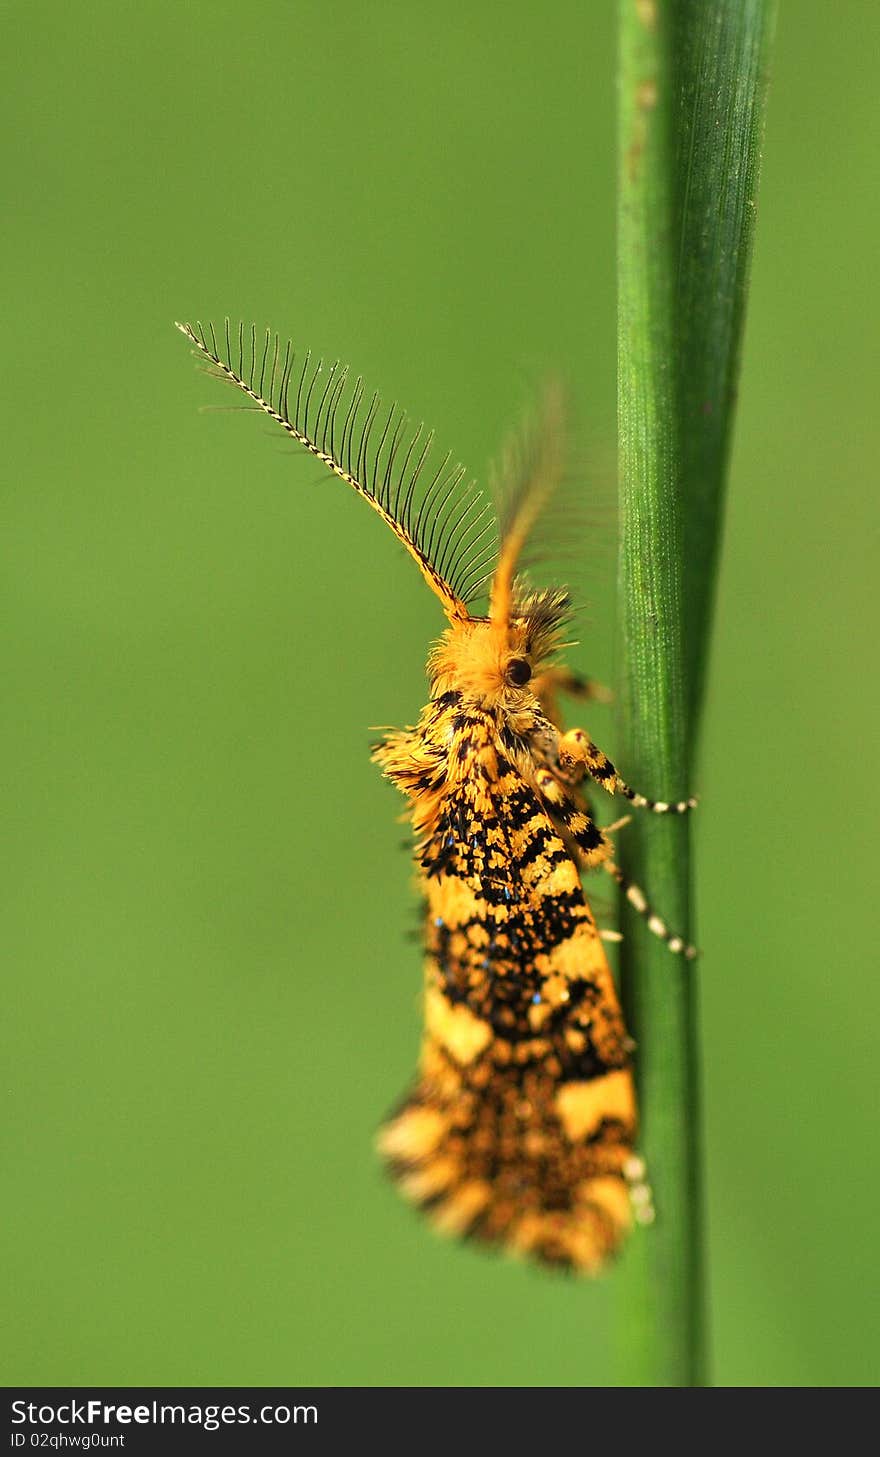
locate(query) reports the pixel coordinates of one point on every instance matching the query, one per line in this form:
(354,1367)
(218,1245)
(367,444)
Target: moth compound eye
(519,672)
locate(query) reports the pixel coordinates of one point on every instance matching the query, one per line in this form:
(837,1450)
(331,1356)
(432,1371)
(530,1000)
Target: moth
(520,1126)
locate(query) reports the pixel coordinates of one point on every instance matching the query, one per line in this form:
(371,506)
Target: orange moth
(520,1126)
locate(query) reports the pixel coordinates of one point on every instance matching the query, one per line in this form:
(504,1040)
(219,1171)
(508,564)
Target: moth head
(495,661)
(439,516)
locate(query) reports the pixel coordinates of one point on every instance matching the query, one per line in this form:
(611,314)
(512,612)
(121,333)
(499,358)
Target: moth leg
(576,685)
(639,902)
(641,1196)
(572,814)
(634,893)
(555,680)
(578,755)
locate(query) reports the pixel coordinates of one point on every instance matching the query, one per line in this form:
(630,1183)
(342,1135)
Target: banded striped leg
(639,902)
(640,1193)
(555,680)
(576,685)
(570,811)
(573,816)
(578,755)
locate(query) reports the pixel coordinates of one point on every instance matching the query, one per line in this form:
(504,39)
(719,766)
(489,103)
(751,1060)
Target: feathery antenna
(442,518)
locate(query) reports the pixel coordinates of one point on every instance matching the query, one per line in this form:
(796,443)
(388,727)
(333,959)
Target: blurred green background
(210,997)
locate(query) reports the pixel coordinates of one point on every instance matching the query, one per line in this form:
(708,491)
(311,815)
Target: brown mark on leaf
(646,100)
(646,10)
(634,151)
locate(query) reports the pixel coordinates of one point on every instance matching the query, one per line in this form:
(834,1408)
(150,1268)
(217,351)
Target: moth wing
(521,1122)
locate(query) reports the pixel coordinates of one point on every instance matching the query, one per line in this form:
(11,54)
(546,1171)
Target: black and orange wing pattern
(520,1127)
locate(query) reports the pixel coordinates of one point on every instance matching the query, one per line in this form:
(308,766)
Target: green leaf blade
(692,81)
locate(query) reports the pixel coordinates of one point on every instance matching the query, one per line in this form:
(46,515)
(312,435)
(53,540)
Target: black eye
(519,672)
